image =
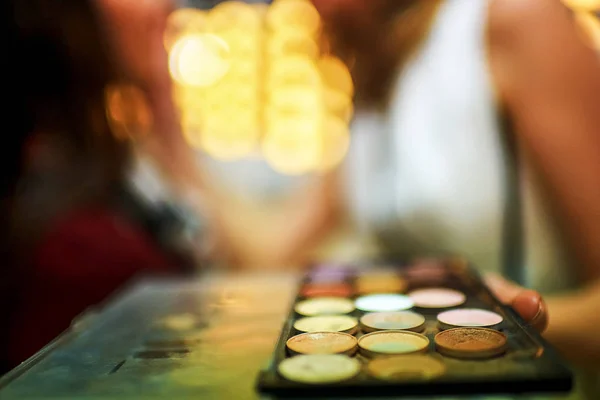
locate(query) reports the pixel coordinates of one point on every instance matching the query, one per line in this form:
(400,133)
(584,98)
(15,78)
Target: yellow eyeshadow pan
(409,367)
(319,368)
(322,343)
(327,323)
(380,285)
(324,306)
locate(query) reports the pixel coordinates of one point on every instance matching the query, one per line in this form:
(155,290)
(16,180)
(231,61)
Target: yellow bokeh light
(292,42)
(249,80)
(338,104)
(243,71)
(242,44)
(192,129)
(183,21)
(294,14)
(127,111)
(187,96)
(233,94)
(336,141)
(335,74)
(296,100)
(293,147)
(589,26)
(261,9)
(234,15)
(231,133)
(199,60)
(293,71)
(585,5)
(347,117)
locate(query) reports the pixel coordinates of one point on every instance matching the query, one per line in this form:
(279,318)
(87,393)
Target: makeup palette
(428,327)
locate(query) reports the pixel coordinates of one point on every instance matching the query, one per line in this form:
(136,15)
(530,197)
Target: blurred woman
(68,237)
(479,135)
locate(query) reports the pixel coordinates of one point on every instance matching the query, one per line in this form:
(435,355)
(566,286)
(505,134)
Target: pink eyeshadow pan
(468,317)
(426,271)
(437,298)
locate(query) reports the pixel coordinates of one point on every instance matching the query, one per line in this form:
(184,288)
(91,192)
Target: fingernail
(538,319)
(534,303)
(540,310)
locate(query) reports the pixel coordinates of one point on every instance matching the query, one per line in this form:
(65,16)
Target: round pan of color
(378,272)
(470,343)
(395,320)
(324,306)
(330,289)
(319,368)
(322,343)
(327,323)
(392,343)
(329,275)
(366,285)
(426,272)
(384,302)
(406,368)
(469,317)
(437,298)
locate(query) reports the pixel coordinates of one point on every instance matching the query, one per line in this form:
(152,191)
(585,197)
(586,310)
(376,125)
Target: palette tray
(425,328)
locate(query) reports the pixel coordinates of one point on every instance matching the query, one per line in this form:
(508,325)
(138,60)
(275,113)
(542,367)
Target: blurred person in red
(70,235)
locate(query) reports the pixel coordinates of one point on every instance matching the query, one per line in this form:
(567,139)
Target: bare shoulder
(537,41)
(510,19)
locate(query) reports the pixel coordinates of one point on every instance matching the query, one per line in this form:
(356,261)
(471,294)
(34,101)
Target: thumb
(527,303)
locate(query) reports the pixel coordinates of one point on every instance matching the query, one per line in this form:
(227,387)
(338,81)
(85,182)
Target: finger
(531,307)
(504,290)
(527,303)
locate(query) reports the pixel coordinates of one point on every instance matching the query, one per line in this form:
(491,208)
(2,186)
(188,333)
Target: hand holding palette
(426,328)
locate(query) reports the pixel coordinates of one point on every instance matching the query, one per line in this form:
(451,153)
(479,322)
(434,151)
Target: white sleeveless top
(429,175)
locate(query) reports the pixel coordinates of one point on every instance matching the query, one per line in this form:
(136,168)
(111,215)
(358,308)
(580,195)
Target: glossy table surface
(201,338)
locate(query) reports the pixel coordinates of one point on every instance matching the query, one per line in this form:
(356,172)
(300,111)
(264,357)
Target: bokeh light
(299,15)
(251,79)
(290,42)
(585,5)
(183,21)
(589,25)
(336,141)
(293,146)
(199,60)
(335,74)
(127,111)
(234,16)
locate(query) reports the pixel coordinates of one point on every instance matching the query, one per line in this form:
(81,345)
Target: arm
(280,235)
(549,82)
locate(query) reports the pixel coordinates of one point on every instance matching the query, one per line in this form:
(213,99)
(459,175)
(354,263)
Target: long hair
(57,65)
(378,52)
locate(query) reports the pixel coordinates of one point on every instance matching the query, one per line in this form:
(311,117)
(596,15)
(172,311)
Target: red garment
(84,258)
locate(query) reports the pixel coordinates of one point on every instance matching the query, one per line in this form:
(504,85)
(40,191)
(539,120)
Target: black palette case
(528,364)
